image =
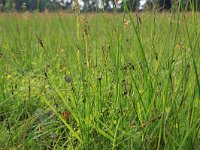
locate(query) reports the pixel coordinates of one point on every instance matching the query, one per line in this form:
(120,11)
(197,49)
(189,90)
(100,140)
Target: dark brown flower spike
(39,41)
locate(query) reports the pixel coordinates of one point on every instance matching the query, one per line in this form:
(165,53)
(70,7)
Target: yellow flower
(62,50)
(126,22)
(46,86)
(176,125)
(9,76)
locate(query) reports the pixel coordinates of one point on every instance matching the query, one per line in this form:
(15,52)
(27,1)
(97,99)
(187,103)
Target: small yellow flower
(114,122)
(126,22)
(62,50)
(9,76)
(46,86)
(177,125)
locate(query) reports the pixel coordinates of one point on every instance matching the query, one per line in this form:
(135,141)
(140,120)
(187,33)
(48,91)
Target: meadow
(100,81)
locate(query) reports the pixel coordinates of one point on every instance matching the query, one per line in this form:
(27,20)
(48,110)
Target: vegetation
(104,81)
(93,5)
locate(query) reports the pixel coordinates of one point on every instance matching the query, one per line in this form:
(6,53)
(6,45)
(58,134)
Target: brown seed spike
(99,77)
(139,20)
(68,79)
(39,41)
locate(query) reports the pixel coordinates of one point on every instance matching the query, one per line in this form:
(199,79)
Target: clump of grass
(127,81)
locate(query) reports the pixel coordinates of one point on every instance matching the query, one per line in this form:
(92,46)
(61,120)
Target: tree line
(93,5)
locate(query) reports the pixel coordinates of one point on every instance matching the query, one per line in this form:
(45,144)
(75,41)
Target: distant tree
(163,4)
(52,6)
(36,5)
(18,4)
(87,5)
(133,4)
(166,4)
(32,5)
(193,5)
(58,5)
(186,5)
(2,5)
(3,2)
(93,5)
(9,5)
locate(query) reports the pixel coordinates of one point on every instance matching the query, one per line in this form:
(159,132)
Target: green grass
(127,84)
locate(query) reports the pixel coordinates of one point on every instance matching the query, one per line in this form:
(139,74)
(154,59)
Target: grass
(128,82)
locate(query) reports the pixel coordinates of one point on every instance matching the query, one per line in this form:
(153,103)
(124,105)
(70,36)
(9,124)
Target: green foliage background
(41,5)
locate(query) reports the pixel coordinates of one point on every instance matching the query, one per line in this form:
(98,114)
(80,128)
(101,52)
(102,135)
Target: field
(100,81)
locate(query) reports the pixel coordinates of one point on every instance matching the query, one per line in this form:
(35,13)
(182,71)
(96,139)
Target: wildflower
(65,115)
(109,46)
(62,50)
(126,22)
(64,68)
(179,45)
(9,76)
(176,126)
(47,86)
